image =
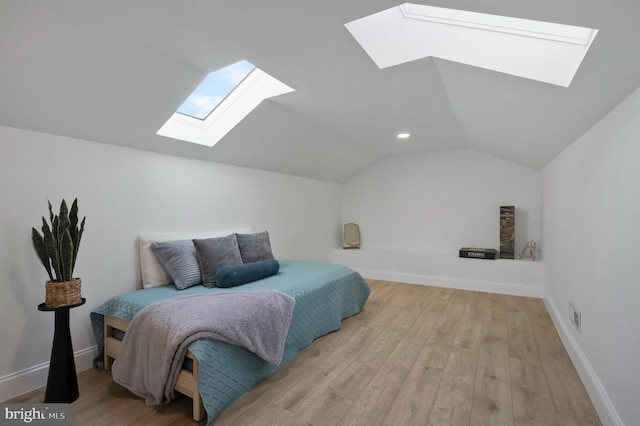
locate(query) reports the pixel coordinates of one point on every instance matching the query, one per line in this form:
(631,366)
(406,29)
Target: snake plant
(57,246)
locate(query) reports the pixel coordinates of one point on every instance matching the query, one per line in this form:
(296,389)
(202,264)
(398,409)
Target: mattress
(325,294)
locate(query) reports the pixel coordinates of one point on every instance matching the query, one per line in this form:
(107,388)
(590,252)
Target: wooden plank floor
(415,355)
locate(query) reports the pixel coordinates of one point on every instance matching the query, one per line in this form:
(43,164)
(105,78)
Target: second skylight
(537,50)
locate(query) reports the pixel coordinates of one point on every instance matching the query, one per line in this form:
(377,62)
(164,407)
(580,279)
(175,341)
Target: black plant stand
(62,383)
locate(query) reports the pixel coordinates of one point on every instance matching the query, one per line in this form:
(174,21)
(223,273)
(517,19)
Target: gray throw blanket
(156,341)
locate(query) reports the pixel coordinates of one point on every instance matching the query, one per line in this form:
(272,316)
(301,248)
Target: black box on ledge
(478,253)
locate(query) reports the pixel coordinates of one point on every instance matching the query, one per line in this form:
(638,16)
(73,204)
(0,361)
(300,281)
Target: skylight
(536,50)
(223,99)
(214,88)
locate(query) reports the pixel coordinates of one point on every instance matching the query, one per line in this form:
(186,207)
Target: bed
(215,372)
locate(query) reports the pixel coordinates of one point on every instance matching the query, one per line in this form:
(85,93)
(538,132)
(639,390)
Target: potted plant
(57,249)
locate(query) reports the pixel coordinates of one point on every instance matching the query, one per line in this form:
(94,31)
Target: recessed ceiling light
(403,135)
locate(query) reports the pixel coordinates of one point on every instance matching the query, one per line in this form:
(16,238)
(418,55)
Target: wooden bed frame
(187,383)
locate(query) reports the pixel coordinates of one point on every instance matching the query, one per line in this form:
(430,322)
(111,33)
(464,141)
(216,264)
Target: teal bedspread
(325,294)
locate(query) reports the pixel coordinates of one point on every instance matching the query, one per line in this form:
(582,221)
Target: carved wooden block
(507,232)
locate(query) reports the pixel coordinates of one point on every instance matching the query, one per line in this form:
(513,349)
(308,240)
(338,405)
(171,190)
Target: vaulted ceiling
(114,71)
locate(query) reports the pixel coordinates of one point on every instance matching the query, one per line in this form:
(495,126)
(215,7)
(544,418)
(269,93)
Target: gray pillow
(213,253)
(180,260)
(254,247)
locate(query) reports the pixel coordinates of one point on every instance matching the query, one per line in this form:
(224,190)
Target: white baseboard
(598,394)
(458,283)
(35,377)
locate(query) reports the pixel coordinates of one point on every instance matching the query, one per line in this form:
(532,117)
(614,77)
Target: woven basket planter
(59,294)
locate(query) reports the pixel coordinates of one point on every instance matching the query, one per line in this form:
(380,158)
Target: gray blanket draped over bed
(324,294)
(156,341)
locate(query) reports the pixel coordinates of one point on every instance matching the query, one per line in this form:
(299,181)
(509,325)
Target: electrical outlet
(575,316)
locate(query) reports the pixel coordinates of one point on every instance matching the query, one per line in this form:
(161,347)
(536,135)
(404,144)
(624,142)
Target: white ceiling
(114,71)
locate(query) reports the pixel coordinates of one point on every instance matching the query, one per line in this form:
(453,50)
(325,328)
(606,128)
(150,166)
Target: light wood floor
(415,355)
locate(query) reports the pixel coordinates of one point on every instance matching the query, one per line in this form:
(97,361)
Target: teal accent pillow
(233,275)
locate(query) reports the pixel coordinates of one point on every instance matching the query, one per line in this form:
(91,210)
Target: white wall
(439,202)
(591,231)
(125,192)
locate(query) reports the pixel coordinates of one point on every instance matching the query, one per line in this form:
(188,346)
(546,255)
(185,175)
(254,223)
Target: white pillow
(153,273)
